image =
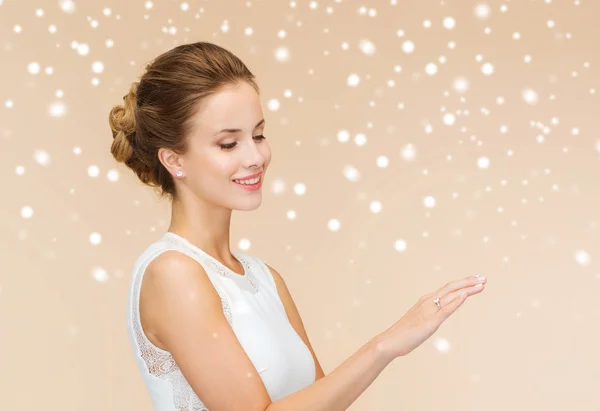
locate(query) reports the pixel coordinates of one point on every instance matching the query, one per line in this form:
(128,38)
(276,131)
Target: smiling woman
(213,329)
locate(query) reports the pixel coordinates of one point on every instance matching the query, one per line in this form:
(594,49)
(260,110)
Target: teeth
(246,182)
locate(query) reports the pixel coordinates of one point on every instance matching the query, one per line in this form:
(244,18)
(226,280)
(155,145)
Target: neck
(203,224)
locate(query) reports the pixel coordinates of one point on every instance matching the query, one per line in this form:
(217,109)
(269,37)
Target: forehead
(232,107)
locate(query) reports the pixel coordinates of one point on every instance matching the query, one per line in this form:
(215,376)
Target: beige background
(73,221)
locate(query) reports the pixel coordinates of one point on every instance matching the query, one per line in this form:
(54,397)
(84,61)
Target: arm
(294,317)
(182,310)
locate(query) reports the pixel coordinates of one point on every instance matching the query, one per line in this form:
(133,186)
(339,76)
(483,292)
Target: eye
(227,147)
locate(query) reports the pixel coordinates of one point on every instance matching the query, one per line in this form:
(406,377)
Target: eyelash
(227,147)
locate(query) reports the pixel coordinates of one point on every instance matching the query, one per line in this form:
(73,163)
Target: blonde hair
(156,111)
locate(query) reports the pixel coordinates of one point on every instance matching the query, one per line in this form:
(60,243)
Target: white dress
(254,311)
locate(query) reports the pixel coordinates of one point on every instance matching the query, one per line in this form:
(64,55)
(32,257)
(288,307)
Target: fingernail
(478,285)
(481,278)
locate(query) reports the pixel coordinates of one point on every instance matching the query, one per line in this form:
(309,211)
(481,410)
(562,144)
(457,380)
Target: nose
(253,156)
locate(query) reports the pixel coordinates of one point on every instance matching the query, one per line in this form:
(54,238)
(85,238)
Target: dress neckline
(213,259)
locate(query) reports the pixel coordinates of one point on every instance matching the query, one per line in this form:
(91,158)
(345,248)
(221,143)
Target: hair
(156,111)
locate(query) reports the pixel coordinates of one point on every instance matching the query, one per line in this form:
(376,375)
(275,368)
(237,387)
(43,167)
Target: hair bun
(122,124)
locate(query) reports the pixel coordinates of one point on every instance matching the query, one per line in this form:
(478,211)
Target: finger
(453,305)
(458,284)
(474,289)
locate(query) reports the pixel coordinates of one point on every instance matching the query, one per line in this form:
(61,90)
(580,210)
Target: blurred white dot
(429,201)
(375,207)
(598,145)
(244,244)
(17,28)
(83,49)
(351,173)
(99,274)
(500,100)
(109,43)
(278,186)
(248,31)
(550,23)
(409,152)
(400,245)
(449,23)
(33,68)
(57,109)
(273,104)
(442,344)
(382,161)
(52,28)
(225,26)
(530,96)
(333,224)
(353,80)
(487,69)
(367,47)
(291,215)
(107,12)
(516,35)
(95,238)
(282,54)
(575,131)
(112,175)
(300,189)
(483,162)
(148,5)
(427,24)
(461,84)
(93,171)
(449,119)
(26,212)
(431,69)
(184,6)
(95,81)
(97,67)
(49,70)
(68,6)
(343,136)
(39,12)
(41,157)
(408,46)
(77,150)
(8,104)
(482,11)
(20,170)
(582,258)
(360,139)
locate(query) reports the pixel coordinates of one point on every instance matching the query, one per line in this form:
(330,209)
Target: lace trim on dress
(160,363)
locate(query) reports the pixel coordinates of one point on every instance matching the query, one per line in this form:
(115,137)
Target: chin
(249,205)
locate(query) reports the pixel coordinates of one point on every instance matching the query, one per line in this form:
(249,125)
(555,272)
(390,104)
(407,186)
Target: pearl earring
(179,173)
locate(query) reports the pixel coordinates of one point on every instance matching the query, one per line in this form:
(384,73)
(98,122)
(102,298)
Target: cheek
(266,152)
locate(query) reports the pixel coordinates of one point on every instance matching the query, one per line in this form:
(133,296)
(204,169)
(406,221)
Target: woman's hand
(424,318)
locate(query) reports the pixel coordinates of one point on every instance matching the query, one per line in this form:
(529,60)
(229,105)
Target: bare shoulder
(184,312)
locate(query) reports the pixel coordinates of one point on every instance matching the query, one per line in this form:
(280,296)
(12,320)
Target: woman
(213,329)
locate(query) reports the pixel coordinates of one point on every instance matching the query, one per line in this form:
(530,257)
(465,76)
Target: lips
(250,177)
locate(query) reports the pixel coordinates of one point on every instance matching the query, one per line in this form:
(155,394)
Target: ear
(171,160)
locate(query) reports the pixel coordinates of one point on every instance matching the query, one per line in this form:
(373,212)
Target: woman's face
(226,142)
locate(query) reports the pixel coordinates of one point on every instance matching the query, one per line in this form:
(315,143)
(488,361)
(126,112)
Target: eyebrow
(237,130)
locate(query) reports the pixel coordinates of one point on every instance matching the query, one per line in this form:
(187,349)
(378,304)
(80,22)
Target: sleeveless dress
(254,311)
